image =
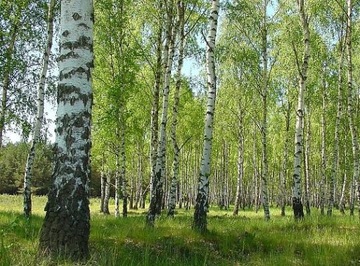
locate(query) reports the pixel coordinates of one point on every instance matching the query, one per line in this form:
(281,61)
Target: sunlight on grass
(246,239)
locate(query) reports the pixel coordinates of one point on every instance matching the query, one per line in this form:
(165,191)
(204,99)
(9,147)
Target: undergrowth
(243,240)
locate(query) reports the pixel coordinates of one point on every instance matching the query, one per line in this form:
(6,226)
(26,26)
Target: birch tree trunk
(240,165)
(117,180)
(297,193)
(202,199)
(40,112)
(283,173)
(102,186)
(155,105)
(351,110)
(174,180)
(123,168)
(255,182)
(335,161)
(157,182)
(307,129)
(342,195)
(265,77)
(107,178)
(323,154)
(66,227)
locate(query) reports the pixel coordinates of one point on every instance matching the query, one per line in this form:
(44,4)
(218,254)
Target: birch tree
(174,181)
(202,199)
(22,44)
(40,112)
(339,114)
(66,226)
(350,107)
(264,93)
(302,68)
(157,181)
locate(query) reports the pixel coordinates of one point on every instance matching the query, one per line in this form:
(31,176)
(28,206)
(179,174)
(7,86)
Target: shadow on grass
(230,241)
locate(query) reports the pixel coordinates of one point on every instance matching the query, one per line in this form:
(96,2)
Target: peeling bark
(66,227)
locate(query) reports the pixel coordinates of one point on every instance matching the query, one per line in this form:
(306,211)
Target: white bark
(40,111)
(283,173)
(307,130)
(323,154)
(123,169)
(117,181)
(265,77)
(335,162)
(351,110)
(240,164)
(107,178)
(157,182)
(181,36)
(66,225)
(303,67)
(155,106)
(202,200)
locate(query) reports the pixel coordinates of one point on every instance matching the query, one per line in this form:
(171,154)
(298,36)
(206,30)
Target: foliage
(13,159)
(22,40)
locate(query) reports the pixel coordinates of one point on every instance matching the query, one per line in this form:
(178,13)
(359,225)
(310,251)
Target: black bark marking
(76,16)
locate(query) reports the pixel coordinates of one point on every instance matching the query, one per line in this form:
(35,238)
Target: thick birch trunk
(66,226)
(297,193)
(40,112)
(202,199)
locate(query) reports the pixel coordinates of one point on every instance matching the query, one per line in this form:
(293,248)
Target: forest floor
(246,239)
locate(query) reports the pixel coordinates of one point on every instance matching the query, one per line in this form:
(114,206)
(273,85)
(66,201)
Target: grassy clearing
(243,240)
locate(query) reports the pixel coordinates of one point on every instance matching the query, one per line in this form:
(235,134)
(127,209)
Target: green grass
(243,240)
